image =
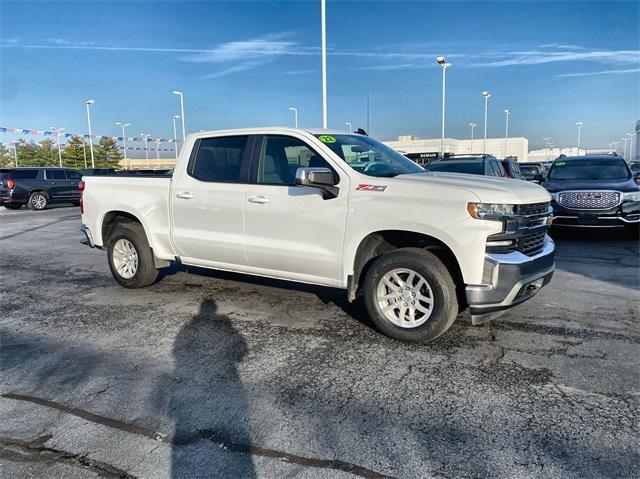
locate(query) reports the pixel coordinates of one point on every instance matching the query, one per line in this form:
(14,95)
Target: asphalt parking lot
(220,375)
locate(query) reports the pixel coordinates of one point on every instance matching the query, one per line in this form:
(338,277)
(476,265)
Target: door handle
(259,199)
(184,196)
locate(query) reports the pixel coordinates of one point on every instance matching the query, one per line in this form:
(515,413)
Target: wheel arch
(112,219)
(380,242)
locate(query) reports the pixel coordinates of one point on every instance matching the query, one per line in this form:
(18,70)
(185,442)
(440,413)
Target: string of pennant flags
(129,148)
(25,131)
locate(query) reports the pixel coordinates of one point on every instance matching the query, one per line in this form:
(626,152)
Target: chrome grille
(589,200)
(530,244)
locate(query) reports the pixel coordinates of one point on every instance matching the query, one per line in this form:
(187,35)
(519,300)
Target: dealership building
(424,149)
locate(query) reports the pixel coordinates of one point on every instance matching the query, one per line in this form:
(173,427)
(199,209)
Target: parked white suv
(332,209)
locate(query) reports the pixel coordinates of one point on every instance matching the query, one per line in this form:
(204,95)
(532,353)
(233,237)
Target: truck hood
(488,189)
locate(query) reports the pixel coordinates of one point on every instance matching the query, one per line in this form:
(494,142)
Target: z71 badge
(365,187)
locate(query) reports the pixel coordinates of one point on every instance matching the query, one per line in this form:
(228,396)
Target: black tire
(38,201)
(443,289)
(12,206)
(146,272)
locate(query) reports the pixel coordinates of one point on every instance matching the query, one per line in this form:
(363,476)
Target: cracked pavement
(221,375)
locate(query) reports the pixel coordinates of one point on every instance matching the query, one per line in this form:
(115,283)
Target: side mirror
(321,178)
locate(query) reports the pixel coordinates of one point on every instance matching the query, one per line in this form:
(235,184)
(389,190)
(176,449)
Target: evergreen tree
(47,153)
(107,153)
(6,155)
(74,153)
(27,154)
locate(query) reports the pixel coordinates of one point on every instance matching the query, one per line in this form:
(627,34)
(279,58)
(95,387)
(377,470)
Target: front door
(57,184)
(207,202)
(293,229)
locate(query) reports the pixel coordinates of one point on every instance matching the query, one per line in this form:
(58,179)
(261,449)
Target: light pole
(624,154)
(58,130)
(323,21)
(579,125)
(124,139)
(547,139)
(486,96)
(295,115)
(472,125)
(615,146)
(87,103)
(443,63)
(349,127)
(630,135)
(157,142)
(175,136)
(146,146)
(15,152)
(506,130)
(179,93)
(84,153)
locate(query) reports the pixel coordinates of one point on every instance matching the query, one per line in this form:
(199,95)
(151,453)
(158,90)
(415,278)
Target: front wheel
(38,201)
(130,256)
(410,295)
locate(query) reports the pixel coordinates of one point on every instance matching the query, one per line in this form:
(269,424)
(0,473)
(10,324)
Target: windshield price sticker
(560,163)
(327,139)
(365,187)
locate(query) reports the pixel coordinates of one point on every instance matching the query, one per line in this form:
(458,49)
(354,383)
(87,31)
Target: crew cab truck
(332,209)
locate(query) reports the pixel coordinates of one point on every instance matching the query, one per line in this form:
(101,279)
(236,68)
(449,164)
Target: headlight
(490,211)
(631,196)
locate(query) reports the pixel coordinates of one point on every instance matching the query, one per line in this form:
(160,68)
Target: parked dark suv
(485,165)
(512,168)
(593,191)
(38,187)
(532,172)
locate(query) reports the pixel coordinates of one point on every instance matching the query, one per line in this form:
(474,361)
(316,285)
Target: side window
(56,175)
(490,170)
(516,168)
(220,159)
(25,174)
(281,156)
(74,175)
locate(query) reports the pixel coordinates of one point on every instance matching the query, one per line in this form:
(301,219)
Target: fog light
(500,243)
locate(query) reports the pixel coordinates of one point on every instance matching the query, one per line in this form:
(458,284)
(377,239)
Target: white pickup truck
(332,209)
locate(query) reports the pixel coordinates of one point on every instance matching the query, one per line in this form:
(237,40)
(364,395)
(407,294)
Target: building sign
(424,157)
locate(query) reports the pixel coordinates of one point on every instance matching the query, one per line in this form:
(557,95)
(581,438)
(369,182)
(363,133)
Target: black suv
(485,165)
(532,172)
(593,191)
(38,187)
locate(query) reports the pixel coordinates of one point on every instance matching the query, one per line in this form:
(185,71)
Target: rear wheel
(12,206)
(38,201)
(130,257)
(410,295)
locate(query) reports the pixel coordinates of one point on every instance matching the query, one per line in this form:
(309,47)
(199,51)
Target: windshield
(471,167)
(529,170)
(368,156)
(589,169)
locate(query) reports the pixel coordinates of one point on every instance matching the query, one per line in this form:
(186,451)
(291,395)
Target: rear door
(293,229)
(73,178)
(208,200)
(56,183)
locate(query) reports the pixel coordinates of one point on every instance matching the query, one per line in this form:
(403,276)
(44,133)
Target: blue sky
(245,63)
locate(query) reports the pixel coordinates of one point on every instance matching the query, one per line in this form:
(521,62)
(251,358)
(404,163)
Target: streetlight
(630,135)
(472,125)
(624,154)
(175,136)
(349,127)
(323,22)
(179,93)
(506,130)
(295,115)
(579,125)
(87,103)
(146,146)
(486,96)
(443,63)
(58,130)
(124,138)
(547,139)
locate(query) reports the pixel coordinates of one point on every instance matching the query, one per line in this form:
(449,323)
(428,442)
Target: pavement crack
(17,450)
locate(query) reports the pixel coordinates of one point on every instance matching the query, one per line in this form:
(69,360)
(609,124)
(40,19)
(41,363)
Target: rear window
(471,167)
(56,175)
(590,169)
(529,170)
(21,174)
(220,159)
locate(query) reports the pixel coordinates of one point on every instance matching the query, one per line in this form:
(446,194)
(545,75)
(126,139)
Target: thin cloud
(387,67)
(605,72)
(300,72)
(562,46)
(234,69)
(544,57)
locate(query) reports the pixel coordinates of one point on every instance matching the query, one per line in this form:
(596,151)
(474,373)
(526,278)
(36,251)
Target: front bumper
(511,278)
(619,216)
